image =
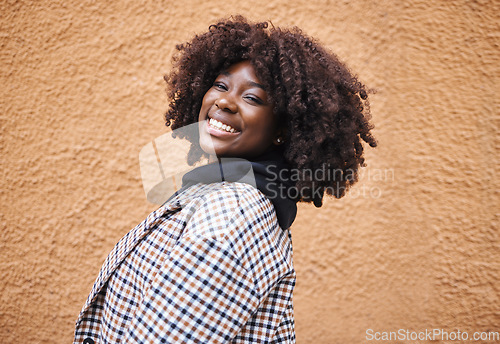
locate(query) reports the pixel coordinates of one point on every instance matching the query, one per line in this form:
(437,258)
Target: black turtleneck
(270,175)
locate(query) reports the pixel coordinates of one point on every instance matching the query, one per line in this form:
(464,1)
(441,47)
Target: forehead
(244,67)
(243,71)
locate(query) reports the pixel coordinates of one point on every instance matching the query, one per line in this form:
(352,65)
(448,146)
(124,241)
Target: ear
(279,137)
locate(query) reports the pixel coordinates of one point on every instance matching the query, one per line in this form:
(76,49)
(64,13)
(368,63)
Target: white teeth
(219,125)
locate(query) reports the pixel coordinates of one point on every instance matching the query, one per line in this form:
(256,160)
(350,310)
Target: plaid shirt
(211,265)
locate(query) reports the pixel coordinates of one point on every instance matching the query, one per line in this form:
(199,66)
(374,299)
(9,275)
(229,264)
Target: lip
(219,132)
(223,120)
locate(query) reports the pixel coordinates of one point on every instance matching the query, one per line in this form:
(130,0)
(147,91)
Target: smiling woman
(214,263)
(239,120)
(321,108)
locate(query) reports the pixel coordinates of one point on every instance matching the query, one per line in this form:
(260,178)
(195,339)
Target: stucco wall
(416,244)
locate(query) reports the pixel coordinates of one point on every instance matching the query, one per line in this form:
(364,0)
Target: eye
(220,86)
(254,99)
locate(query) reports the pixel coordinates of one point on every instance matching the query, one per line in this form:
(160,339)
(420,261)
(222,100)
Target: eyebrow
(254,84)
(249,83)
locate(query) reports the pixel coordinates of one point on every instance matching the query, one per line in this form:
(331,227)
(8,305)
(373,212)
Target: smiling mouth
(221,126)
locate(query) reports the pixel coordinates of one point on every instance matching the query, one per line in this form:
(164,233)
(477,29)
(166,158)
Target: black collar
(269,173)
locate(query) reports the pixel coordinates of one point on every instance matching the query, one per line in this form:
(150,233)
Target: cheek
(205,105)
(266,124)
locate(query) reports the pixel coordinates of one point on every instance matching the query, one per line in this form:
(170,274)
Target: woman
(214,263)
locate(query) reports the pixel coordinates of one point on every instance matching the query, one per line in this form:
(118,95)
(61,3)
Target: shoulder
(243,221)
(236,214)
(230,197)
(233,205)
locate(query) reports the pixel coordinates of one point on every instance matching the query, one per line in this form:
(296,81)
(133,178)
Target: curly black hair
(323,108)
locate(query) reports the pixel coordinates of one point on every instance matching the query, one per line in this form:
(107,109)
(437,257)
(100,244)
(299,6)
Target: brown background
(416,244)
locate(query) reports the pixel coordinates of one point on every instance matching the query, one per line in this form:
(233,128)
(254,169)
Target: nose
(226,103)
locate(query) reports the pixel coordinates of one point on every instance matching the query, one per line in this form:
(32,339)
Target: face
(236,118)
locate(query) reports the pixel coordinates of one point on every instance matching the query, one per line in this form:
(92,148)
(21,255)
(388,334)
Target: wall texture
(414,246)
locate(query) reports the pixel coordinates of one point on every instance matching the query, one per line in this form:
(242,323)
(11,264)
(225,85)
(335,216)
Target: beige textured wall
(415,246)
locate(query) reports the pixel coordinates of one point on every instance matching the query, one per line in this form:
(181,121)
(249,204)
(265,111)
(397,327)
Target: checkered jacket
(211,265)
